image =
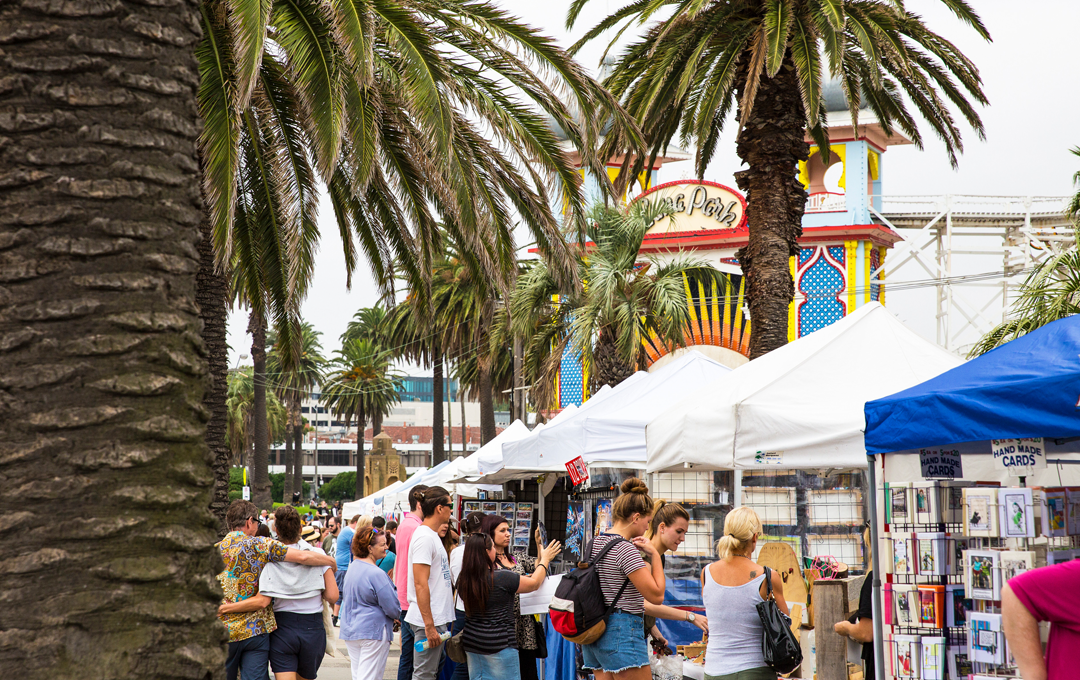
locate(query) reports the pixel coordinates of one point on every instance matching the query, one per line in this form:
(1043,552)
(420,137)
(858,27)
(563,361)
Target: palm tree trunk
(287,487)
(211,293)
(106,480)
(260,474)
(438,453)
(297,435)
(487,401)
(608,367)
(449,422)
(376,423)
(361,461)
(772,144)
(464,429)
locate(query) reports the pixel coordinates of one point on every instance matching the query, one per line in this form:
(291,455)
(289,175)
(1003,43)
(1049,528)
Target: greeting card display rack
(958,660)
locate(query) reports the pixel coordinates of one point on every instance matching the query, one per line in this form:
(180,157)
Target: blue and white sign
(1027,454)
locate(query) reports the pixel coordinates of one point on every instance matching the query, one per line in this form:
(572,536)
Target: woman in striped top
(621,653)
(489,639)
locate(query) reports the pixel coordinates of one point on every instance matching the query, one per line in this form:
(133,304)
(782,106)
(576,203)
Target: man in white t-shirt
(430,589)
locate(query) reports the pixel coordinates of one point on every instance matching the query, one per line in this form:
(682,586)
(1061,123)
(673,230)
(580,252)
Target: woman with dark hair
(470,525)
(525,627)
(488,593)
(298,645)
(369,606)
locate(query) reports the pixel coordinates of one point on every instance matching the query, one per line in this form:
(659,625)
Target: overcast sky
(1029,76)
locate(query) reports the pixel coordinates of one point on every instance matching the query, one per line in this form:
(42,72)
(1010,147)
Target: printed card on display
(1072,502)
(897,508)
(906,656)
(985,639)
(933,658)
(931,605)
(929,553)
(1016,514)
(960,666)
(980,511)
(1054,513)
(956,605)
(982,574)
(925,498)
(1016,562)
(956,547)
(904,597)
(901,555)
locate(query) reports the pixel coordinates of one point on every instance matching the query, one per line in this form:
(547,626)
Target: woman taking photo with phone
(490,640)
(621,652)
(732,587)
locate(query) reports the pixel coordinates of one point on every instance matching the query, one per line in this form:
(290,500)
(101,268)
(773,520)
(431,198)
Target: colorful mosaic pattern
(716,318)
(571,379)
(244,557)
(822,281)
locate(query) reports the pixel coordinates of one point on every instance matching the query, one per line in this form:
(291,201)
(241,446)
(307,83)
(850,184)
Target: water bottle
(422,645)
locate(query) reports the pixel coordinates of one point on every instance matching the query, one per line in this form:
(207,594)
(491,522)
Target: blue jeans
(249,658)
(502,665)
(404,669)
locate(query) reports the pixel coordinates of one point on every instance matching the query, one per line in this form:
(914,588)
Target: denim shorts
(298,645)
(502,665)
(622,645)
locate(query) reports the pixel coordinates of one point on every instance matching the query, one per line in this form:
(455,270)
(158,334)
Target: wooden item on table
(693,652)
(831,599)
(780,557)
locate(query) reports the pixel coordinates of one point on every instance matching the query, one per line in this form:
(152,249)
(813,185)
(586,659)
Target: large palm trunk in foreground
(772,144)
(104,479)
(212,291)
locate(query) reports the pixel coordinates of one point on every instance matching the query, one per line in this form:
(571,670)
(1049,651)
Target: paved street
(338,667)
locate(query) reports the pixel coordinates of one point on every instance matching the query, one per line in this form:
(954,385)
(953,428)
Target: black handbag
(778,644)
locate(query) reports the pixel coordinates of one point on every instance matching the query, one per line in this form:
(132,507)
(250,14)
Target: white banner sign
(1010,454)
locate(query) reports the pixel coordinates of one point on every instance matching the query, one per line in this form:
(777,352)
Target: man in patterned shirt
(245,555)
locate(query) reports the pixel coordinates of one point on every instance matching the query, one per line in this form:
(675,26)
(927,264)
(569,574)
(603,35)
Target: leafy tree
(341,488)
(362,386)
(240,405)
(767,59)
(624,300)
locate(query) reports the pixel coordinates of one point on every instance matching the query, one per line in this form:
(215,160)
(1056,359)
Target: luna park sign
(696,206)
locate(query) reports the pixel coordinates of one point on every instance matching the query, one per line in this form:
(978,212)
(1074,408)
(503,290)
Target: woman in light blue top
(732,588)
(369,606)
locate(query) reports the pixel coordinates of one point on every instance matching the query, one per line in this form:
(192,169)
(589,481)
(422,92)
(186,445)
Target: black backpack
(577,610)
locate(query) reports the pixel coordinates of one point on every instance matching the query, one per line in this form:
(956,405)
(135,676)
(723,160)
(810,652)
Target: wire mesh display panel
(818,515)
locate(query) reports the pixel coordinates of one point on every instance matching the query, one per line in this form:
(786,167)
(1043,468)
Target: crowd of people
(431,579)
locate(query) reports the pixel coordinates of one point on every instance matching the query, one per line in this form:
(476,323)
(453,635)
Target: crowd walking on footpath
(362,579)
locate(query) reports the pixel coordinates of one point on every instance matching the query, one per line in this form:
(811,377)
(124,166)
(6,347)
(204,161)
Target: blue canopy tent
(1027,388)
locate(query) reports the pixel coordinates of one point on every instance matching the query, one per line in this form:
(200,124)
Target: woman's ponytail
(740,527)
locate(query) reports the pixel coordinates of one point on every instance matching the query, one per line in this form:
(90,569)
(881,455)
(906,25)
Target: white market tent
(799,406)
(469,468)
(366,505)
(609,429)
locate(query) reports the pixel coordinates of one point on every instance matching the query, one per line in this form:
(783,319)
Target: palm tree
(625,301)
(101,374)
(240,406)
(363,387)
(293,377)
(408,113)
(767,59)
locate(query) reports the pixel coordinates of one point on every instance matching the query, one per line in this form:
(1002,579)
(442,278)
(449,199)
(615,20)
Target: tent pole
(875,538)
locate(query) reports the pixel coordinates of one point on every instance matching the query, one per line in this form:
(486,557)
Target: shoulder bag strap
(768,583)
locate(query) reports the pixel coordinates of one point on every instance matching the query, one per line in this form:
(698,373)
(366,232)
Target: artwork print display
(575,530)
(906,657)
(959,662)
(603,517)
(980,513)
(898,504)
(985,639)
(901,559)
(904,596)
(1016,562)
(982,574)
(933,658)
(1016,515)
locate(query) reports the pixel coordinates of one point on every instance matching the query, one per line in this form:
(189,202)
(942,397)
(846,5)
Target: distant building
(421,388)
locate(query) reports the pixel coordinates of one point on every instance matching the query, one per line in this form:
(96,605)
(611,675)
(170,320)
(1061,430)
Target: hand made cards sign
(1018,454)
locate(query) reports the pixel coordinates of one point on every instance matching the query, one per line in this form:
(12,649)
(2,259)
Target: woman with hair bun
(369,606)
(621,652)
(667,531)
(732,587)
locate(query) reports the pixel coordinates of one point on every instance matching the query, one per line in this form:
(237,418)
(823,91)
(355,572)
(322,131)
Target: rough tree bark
(105,477)
(608,368)
(487,401)
(438,452)
(212,290)
(772,144)
(361,464)
(260,473)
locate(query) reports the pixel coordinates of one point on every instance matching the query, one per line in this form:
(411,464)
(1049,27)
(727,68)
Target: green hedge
(341,488)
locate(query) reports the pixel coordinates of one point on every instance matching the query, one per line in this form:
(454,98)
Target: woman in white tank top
(731,588)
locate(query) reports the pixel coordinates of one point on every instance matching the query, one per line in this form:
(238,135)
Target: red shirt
(401,565)
(1053,594)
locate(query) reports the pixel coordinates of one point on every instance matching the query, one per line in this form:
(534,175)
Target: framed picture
(1016,514)
(525,507)
(933,658)
(1054,513)
(980,513)
(925,498)
(930,554)
(603,516)
(985,639)
(1016,562)
(843,507)
(506,509)
(575,531)
(471,506)
(956,605)
(489,507)
(982,574)
(774,505)
(897,508)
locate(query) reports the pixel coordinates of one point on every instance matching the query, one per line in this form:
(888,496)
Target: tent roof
(802,403)
(610,428)
(1029,387)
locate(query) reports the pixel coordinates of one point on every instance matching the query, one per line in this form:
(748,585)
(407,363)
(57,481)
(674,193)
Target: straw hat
(309,534)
